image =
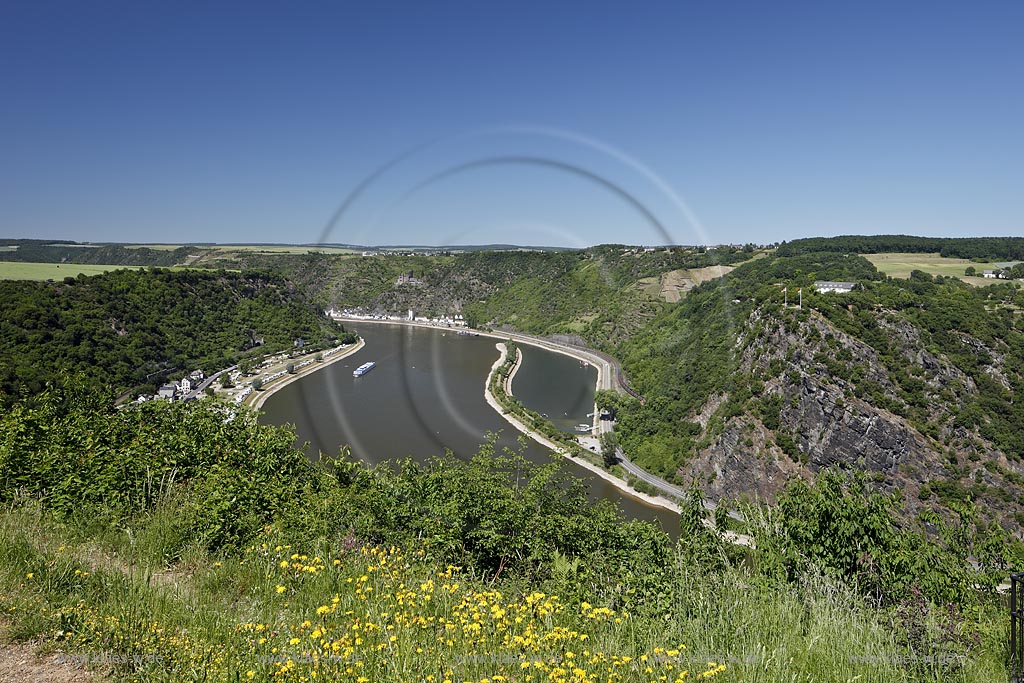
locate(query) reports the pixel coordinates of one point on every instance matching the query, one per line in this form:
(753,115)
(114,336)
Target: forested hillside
(596,293)
(981,248)
(129,329)
(912,380)
(40,251)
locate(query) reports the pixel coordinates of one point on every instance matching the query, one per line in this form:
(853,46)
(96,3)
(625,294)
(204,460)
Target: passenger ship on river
(363,369)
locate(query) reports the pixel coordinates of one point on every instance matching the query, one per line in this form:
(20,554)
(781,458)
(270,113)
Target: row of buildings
(177,390)
(448,320)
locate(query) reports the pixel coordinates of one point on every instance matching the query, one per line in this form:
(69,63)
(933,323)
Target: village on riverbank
(254,379)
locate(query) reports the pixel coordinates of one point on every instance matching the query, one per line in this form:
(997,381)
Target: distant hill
(49,251)
(129,329)
(984,248)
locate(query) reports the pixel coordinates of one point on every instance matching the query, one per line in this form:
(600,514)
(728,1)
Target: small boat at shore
(364,368)
(583,428)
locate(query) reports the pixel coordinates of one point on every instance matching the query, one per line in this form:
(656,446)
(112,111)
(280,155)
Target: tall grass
(142,603)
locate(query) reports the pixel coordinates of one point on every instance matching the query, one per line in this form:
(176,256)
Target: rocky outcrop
(811,374)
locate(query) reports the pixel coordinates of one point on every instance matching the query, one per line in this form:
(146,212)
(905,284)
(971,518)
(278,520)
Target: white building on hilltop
(837,287)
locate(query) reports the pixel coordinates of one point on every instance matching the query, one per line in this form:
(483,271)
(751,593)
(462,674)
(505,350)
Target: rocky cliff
(826,399)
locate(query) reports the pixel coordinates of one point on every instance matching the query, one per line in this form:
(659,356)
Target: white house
(992,273)
(837,287)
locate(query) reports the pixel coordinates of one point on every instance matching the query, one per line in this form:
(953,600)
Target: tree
(607,401)
(245,366)
(257,384)
(969,271)
(609,448)
(225,380)
(290,368)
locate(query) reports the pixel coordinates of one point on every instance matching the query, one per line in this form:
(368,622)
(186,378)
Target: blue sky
(512,122)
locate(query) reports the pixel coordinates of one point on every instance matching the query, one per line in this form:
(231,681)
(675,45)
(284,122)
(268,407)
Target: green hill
(131,329)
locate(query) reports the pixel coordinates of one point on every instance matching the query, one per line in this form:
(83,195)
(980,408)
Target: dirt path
(19,663)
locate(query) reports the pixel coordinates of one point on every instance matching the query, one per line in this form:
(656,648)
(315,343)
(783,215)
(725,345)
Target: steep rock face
(827,431)
(833,432)
(742,464)
(808,416)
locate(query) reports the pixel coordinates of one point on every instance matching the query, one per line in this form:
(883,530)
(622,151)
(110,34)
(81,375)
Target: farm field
(280,248)
(901,264)
(18,270)
(258,248)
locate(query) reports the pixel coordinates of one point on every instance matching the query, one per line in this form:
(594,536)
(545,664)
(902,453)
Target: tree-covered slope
(913,380)
(591,293)
(982,248)
(131,328)
(41,251)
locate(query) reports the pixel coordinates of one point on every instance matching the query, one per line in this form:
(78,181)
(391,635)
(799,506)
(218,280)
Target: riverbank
(269,389)
(604,381)
(619,484)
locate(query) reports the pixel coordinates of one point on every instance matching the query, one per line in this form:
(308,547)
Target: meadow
(901,264)
(355,611)
(18,270)
(258,248)
(280,248)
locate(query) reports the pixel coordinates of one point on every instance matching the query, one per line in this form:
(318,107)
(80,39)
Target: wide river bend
(426,395)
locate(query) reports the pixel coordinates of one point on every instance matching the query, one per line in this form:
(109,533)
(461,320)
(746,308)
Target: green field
(281,248)
(900,265)
(154,247)
(17,270)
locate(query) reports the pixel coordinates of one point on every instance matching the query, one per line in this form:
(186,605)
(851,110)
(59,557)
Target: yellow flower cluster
(378,614)
(389,621)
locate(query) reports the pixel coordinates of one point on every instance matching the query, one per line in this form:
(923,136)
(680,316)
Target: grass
(351,611)
(899,265)
(281,248)
(154,247)
(258,248)
(18,270)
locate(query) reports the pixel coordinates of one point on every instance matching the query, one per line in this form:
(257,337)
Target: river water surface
(426,395)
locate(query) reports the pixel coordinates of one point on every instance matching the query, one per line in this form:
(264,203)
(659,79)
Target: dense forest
(133,329)
(41,251)
(981,248)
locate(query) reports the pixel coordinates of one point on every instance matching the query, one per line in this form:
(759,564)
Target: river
(426,395)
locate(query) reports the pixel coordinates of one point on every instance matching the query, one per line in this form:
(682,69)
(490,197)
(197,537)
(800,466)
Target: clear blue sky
(170,122)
